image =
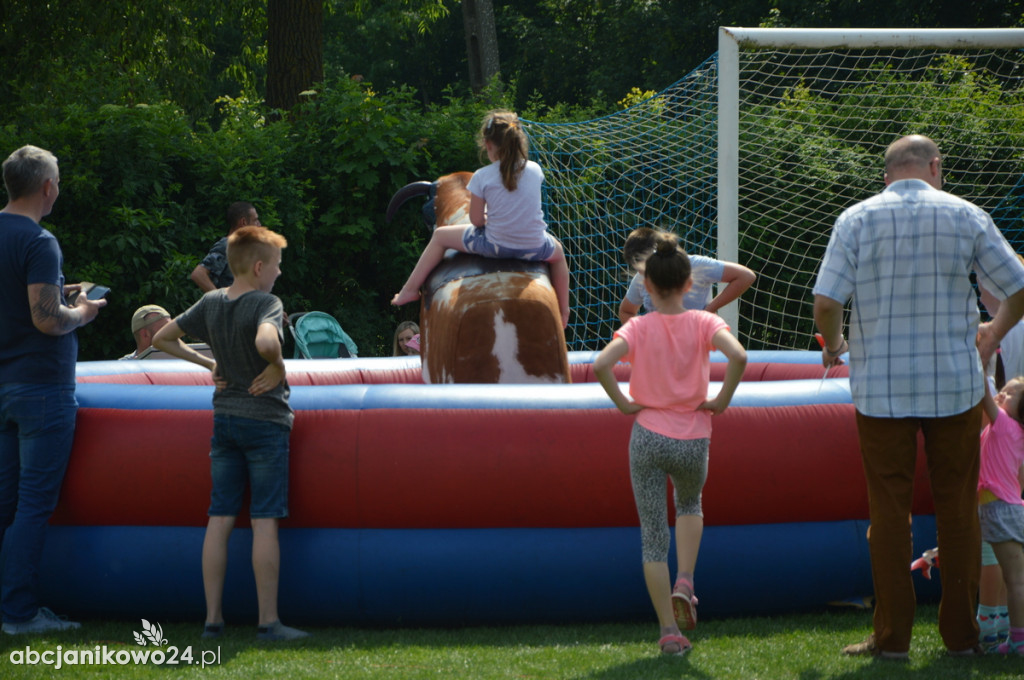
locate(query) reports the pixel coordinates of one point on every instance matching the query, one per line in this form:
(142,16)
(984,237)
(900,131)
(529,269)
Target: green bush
(143,195)
(144,188)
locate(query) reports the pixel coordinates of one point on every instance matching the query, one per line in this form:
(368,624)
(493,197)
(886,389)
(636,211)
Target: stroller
(319,336)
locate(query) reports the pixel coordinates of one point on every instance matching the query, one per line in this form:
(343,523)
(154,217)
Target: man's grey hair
(26,170)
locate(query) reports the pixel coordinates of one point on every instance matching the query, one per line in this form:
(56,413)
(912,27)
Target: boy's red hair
(248,245)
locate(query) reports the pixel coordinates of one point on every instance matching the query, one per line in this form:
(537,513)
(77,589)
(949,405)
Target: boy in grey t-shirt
(252,419)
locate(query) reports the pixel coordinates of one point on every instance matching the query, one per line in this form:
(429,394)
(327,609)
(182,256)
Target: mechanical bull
(483,320)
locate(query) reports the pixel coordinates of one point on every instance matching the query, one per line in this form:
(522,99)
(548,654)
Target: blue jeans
(255,450)
(37,427)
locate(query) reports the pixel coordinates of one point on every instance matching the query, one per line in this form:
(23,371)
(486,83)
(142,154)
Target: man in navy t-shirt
(213,271)
(38,351)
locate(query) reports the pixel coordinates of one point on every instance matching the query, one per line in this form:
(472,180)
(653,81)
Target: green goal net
(805,139)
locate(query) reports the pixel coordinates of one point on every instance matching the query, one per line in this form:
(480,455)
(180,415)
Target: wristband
(838,351)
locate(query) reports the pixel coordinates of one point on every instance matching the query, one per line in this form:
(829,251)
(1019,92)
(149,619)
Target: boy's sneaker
(44,621)
(213,630)
(277,631)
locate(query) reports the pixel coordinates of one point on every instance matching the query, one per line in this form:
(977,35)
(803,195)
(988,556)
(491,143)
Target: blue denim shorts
(475,241)
(243,449)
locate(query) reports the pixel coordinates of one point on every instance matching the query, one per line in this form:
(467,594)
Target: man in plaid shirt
(905,257)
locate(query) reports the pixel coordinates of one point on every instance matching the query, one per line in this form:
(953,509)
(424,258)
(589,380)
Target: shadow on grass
(937,667)
(656,668)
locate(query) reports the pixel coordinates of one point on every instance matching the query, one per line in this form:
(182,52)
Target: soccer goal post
(750,158)
(857,87)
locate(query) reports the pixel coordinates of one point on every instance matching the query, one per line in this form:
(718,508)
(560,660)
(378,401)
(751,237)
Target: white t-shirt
(705,271)
(514,218)
(1011,348)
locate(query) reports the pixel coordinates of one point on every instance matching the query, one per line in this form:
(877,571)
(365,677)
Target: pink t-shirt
(671,369)
(1002,453)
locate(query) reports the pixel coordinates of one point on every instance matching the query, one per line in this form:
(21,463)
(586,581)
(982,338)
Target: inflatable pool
(416,504)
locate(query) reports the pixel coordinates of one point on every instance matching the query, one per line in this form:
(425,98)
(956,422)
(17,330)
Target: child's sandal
(684,604)
(679,642)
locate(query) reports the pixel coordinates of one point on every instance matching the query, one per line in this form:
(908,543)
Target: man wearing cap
(146,321)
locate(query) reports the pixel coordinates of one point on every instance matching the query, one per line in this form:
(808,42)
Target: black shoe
(213,630)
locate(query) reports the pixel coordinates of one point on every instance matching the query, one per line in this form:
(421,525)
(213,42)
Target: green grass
(802,647)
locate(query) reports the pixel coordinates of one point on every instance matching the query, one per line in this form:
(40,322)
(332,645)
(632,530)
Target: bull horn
(404,194)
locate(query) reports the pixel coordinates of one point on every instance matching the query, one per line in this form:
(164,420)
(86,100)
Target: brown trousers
(889,452)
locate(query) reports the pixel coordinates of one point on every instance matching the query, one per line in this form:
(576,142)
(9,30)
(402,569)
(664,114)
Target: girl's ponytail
(668,267)
(504,131)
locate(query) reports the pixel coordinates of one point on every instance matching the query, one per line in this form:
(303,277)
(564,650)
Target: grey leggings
(652,456)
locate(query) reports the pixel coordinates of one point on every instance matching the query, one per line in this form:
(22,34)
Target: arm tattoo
(49,310)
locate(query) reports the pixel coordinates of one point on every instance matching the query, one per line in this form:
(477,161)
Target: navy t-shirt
(216,263)
(30,254)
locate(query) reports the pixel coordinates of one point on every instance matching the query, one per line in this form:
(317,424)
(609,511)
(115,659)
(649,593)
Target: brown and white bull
(484,320)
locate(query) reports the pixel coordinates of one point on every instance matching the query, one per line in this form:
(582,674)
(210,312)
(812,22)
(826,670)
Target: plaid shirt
(905,257)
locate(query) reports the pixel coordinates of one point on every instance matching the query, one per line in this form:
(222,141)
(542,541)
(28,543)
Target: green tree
(481,42)
(295,55)
(128,52)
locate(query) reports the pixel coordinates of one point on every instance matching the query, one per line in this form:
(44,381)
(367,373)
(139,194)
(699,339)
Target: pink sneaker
(1010,647)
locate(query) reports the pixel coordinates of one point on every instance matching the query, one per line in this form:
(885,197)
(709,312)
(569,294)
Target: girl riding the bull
(505,211)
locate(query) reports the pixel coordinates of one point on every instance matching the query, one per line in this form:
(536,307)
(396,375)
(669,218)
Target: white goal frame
(732,39)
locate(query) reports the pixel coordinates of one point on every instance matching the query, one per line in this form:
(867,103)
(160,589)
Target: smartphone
(96,292)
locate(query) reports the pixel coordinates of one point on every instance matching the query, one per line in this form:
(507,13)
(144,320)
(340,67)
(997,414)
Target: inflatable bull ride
(483,320)
(419,504)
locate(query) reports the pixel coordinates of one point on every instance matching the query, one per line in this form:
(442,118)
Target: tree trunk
(295,49)
(481,42)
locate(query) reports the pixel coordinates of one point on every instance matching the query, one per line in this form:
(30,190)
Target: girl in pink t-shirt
(668,350)
(1000,507)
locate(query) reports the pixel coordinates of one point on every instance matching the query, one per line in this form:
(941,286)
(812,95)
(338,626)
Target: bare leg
(689,531)
(215,562)
(659,587)
(993,617)
(443,238)
(1011,560)
(992,592)
(560,282)
(266,566)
